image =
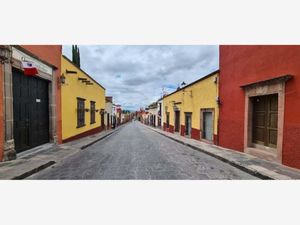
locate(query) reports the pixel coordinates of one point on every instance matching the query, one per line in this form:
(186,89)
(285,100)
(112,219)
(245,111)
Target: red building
(260,101)
(30,106)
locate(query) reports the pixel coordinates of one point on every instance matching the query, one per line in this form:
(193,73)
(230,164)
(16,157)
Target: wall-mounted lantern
(87,109)
(62,79)
(218,101)
(215,80)
(5,54)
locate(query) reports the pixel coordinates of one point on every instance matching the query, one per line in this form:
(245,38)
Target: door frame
(46,72)
(259,89)
(187,113)
(175,111)
(202,111)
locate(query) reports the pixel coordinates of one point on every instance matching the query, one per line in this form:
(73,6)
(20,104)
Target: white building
(160,113)
(108,118)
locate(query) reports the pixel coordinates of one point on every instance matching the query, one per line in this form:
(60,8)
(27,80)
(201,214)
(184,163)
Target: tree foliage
(75,55)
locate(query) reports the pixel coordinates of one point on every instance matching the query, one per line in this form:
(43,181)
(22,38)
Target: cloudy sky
(136,75)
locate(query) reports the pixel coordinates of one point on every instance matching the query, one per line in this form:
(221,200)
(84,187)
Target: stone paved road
(136,152)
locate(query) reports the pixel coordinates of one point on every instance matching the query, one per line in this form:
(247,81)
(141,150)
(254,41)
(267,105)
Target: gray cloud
(135,75)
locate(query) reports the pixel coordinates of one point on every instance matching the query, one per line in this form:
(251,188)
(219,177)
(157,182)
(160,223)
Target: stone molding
(267,87)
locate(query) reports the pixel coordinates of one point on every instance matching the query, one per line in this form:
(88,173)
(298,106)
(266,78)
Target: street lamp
(5,54)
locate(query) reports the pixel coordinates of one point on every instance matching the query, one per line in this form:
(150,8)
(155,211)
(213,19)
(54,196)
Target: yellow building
(193,110)
(83,102)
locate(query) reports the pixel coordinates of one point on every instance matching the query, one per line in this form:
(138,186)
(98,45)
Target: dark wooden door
(177,121)
(265,119)
(31,111)
(108,122)
(102,120)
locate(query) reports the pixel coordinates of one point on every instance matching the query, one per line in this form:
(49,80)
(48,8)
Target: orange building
(30,108)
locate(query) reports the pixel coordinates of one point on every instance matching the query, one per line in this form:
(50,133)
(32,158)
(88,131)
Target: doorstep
(253,165)
(41,157)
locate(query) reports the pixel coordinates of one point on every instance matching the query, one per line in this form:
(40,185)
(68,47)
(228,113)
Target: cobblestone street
(136,152)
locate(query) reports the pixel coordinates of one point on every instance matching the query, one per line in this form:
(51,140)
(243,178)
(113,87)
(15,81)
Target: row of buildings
(58,103)
(251,104)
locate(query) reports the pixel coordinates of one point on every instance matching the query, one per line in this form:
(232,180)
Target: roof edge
(82,71)
(196,81)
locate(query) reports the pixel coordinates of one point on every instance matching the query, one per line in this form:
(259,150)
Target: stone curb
(102,137)
(95,141)
(238,165)
(33,171)
(50,163)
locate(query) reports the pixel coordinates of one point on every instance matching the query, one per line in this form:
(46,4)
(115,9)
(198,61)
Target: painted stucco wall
(201,95)
(241,65)
(72,89)
(108,110)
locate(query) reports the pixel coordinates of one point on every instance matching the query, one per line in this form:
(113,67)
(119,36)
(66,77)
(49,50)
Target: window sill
(81,126)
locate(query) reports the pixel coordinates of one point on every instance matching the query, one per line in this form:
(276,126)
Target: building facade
(260,95)
(118,112)
(193,110)
(125,116)
(153,114)
(114,117)
(83,103)
(108,119)
(30,105)
(160,114)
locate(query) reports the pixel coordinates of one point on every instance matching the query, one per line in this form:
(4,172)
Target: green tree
(75,55)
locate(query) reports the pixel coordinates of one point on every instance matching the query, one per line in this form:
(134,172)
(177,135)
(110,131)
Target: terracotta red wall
(246,64)
(1,115)
(195,134)
(182,130)
(51,54)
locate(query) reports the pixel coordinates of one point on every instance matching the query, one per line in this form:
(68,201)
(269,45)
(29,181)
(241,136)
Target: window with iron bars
(80,112)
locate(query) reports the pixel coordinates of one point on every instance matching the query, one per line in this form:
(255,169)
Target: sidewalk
(41,157)
(248,163)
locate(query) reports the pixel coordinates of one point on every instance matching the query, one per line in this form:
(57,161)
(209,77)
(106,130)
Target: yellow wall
(72,89)
(201,95)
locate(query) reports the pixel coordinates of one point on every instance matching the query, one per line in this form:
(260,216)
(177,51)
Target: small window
(168,119)
(93,110)
(80,112)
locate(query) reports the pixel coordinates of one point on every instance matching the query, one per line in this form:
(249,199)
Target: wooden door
(30,111)
(102,120)
(265,119)
(177,121)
